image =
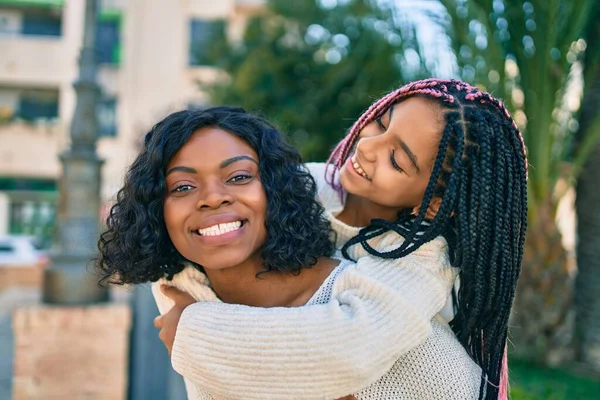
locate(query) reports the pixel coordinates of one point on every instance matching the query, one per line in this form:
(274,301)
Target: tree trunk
(587,283)
(539,326)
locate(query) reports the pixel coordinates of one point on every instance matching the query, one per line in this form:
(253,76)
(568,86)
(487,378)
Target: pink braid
(431,87)
(503,384)
(503,390)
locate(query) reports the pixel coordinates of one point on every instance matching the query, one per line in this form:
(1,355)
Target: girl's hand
(167,323)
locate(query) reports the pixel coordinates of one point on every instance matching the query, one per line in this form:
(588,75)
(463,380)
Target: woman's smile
(217,233)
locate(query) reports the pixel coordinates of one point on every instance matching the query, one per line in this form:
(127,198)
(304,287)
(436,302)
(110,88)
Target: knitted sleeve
(189,280)
(379,310)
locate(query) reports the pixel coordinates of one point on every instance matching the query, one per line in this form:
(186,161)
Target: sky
(435,43)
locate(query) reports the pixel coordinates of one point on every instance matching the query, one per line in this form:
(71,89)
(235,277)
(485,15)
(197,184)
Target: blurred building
(151,55)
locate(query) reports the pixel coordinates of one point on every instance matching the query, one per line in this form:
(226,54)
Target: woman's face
(215,205)
(394,156)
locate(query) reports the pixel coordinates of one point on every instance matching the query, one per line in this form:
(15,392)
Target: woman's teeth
(220,229)
(359,169)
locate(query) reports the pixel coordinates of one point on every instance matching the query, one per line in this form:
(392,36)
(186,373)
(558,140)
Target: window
(6,248)
(41,24)
(35,3)
(38,104)
(204,39)
(107,117)
(33,207)
(39,17)
(28,184)
(33,217)
(10,22)
(108,38)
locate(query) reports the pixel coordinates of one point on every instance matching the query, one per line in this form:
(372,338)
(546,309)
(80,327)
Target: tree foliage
(529,54)
(312,67)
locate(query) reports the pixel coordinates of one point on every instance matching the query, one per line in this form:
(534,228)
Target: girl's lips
(350,166)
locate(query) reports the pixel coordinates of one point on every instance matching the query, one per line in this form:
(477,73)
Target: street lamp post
(67,280)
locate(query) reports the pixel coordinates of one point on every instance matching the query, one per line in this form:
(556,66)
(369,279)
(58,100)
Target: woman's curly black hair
(136,247)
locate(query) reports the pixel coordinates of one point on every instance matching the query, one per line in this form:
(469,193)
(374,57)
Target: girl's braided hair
(480,173)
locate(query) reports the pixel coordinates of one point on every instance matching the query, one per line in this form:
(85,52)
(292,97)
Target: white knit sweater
(372,329)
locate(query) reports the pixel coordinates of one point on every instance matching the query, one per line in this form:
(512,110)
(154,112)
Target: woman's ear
(432,210)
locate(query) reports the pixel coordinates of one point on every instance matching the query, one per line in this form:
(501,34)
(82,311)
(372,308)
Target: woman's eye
(240,178)
(182,189)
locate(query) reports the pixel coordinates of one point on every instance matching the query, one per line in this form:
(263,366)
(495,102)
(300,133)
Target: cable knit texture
(372,329)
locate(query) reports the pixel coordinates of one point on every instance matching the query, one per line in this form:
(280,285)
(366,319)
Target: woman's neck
(359,211)
(240,284)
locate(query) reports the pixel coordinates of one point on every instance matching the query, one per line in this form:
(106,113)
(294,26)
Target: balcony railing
(43,3)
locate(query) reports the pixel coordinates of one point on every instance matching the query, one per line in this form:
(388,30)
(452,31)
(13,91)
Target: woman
(435,157)
(205,188)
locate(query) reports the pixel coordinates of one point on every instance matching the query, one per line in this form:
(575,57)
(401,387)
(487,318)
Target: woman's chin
(220,263)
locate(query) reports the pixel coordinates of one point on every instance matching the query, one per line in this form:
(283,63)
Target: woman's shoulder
(323,293)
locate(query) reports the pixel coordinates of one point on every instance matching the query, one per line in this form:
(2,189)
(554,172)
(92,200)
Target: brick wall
(71,352)
(22,277)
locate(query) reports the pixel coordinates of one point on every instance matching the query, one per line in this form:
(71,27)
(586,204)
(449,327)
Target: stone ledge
(71,352)
(21,277)
(91,318)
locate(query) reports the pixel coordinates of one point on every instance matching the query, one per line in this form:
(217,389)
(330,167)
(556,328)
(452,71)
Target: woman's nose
(214,197)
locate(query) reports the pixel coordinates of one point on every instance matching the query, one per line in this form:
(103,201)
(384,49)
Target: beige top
(372,329)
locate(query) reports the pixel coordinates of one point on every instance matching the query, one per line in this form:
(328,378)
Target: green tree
(525,53)
(312,67)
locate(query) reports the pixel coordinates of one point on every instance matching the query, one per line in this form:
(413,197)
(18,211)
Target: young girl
(431,158)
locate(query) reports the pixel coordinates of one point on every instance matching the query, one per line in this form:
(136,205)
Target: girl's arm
(189,280)
(379,310)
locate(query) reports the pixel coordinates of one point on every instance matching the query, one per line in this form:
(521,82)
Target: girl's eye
(380,124)
(394,163)
(182,189)
(240,178)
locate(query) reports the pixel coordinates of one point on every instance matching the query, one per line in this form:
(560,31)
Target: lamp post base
(68,282)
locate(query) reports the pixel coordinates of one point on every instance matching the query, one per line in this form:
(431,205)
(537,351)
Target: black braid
(480,175)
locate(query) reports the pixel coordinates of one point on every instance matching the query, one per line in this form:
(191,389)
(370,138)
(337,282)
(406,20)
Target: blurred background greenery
(313,66)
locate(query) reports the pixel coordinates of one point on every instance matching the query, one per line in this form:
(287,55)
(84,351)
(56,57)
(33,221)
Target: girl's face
(215,205)
(394,156)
